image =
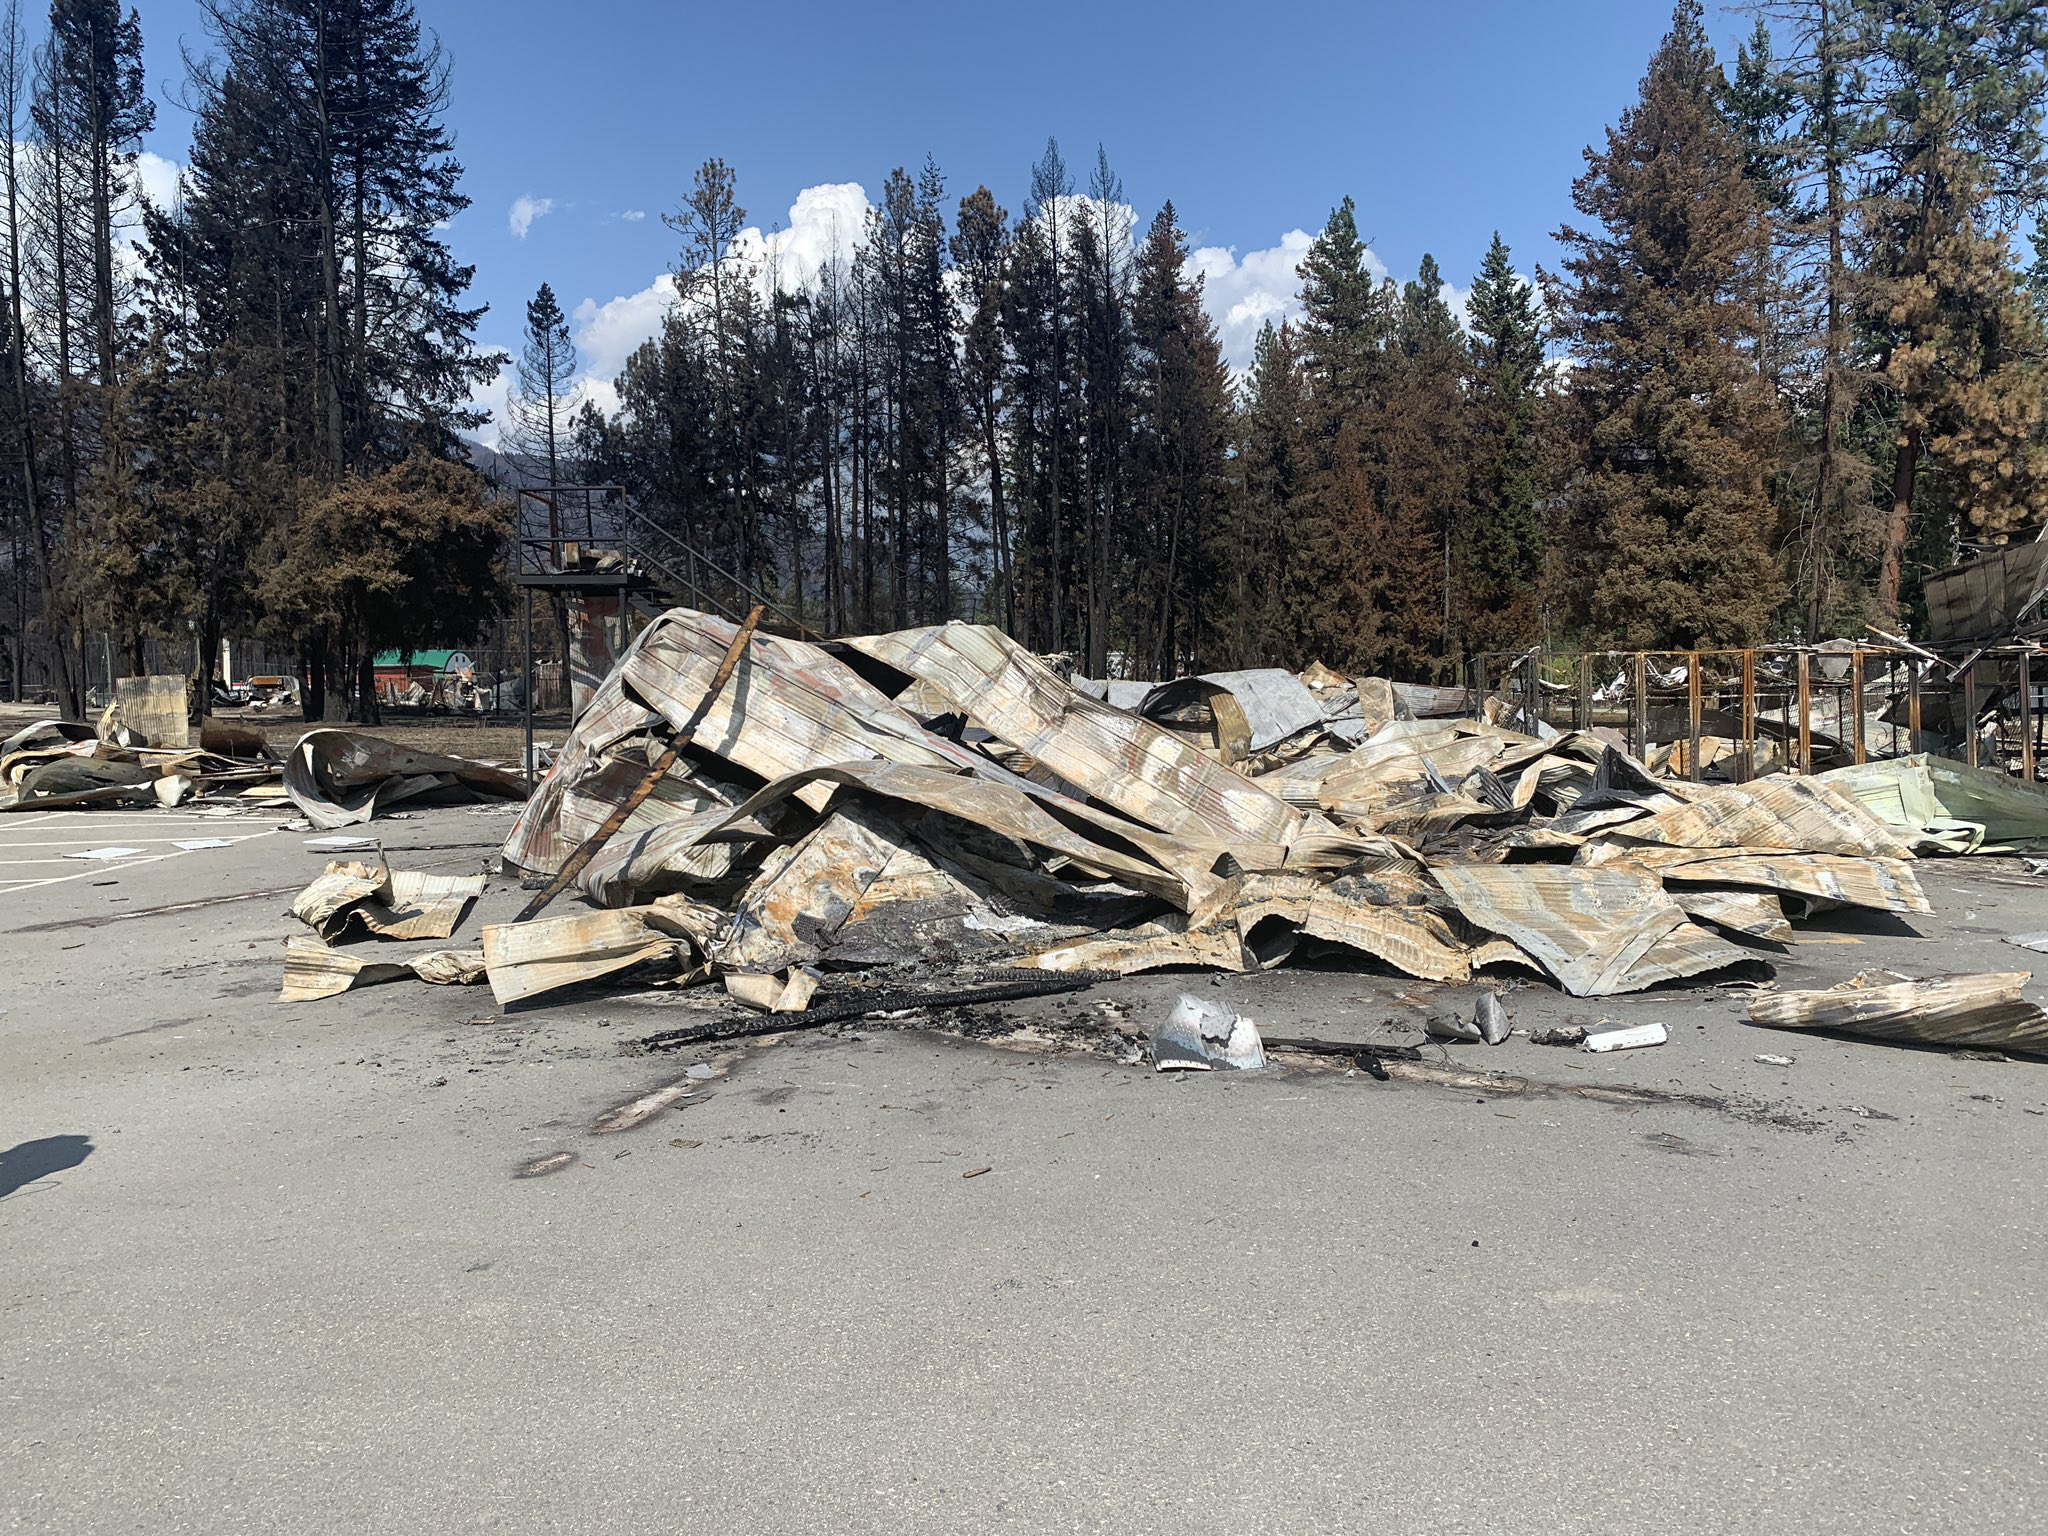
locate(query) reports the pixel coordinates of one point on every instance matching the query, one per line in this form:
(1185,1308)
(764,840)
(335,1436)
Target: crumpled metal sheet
(1176,870)
(341,778)
(1753,914)
(1593,930)
(1984,1011)
(391,904)
(854,889)
(312,970)
(1879,885)
(1143,771)
(1796,814)
(1384,917)
(1254,710)
(1946,806)
(523,960)
(790,707)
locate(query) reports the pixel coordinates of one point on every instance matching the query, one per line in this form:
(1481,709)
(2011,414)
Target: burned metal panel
(1986,598)
(1271,705)
(341,778)
(1948,806)
(1178,871)
(1131,764)
(1878,885)
(1588,927)
(1753,914)
(523,960)
(1985,1011)
(312,970)
(1799,815)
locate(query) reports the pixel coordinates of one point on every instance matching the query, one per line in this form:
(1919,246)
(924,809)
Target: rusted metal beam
(1693,708)
(1748,721)
(1856,700)
(1970,712)
(2026,716)
(1639,710)
(1805,712)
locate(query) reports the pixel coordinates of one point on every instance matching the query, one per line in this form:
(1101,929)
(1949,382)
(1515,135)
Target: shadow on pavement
(27,1161)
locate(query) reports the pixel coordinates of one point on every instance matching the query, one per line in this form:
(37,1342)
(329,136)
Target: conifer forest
(1794,357)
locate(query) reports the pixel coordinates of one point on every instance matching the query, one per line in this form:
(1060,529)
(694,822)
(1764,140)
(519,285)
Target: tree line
(1792,361)
(1794,357)
(240,414)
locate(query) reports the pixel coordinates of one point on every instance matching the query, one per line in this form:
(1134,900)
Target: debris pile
(943,799)
(60,765)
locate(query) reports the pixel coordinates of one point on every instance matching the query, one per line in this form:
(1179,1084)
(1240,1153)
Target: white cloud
(526,209)
(634,215)
(607,334)
(1242,296)
(159,179)
(824,225)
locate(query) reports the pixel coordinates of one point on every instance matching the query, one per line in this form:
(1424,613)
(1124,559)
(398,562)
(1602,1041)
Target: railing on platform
(1754,710)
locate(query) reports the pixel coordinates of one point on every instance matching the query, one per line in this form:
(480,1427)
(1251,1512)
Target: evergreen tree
(1503,553)
(1952,148)
(1179,441)
(1343,324)
(1670,529)
(1252,549)
(543,382)
(978,246)
(1424,443)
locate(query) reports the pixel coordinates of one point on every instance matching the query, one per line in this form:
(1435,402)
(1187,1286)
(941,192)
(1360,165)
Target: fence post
(1805,712)
(1856,698)
(1970,712)
(1585,708)
(1747,723)
(1639,710)
(2026,717)
(1913,704)
(1693,705)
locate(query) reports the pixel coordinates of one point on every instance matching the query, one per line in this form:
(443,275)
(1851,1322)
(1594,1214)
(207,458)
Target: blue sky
(1444,121)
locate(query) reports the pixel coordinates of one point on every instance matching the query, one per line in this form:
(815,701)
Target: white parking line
(11,885)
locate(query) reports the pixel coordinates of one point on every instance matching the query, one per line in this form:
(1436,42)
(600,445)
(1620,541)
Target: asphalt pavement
(297,1268)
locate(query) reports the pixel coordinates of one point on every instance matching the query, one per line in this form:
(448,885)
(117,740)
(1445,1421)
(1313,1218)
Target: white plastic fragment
(1627,1038)
(1200,1036)
(1775,1061)
(193,844)
(340,844)
(107,853)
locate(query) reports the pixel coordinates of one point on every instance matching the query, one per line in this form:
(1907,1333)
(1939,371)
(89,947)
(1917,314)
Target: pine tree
(1958,87)
(980,236)
(543,383)
(1179,440)
(1259,576)
(1503,547)
(1344,324)
(1671,531)
(1426,453)
(1807,174)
